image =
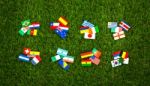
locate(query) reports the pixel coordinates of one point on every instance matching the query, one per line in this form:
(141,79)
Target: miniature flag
(124,25)
(117,53)
(54,24)
(124,55)
(26,51)
(61,33)
(116,29)
(96,53)
(112,24)
(118,35)
(23,30)
(86,54)
(86,62)
(55,58)
(33,32)
(66,28)
(36,60)
(63,64)
(34,25)
(89,36)
(86,23)
(62,52)
(68,59)
(63,21)
(25,23)
(115,63)
(34,53)
(23,58)
(95,60)
(126,61)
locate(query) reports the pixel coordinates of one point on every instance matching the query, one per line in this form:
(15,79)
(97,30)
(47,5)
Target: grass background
(99,12)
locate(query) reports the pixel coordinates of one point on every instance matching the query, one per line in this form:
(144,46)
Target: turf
(99,12)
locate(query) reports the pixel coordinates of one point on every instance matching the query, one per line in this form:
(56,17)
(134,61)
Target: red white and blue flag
(36,60)
(124,25)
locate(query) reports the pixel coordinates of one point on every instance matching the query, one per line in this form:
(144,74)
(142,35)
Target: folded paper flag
(34,25)
(36,60)
(66,28)
(124,55)
(63,64)
(25,23)
(116,29)
(61,33)
(86,54)
(112,24)
(23,58)
(86,23)
(33,32)
(86,62)
(69,59)
(26,51)
(63,21)
(23,30)
(54,24)
(96,53)
(62,52)
(118,35)
(117,53)
(89,36)
(34,53)
(126,61)
(55,58)
(124,25)
(95,60)
(115,63)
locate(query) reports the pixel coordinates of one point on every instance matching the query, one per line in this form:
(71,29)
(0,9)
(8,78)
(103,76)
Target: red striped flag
(124,25)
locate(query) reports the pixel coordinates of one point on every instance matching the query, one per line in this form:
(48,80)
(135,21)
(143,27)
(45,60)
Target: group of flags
(63,58)
(119,58)
(60,27)
(118,30)
(28,55)
(89,30)
(87,58)
(29,28)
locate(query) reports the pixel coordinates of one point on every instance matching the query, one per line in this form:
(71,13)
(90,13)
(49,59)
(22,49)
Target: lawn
(99,12)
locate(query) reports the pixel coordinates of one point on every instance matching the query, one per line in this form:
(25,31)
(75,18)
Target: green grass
(99,12)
